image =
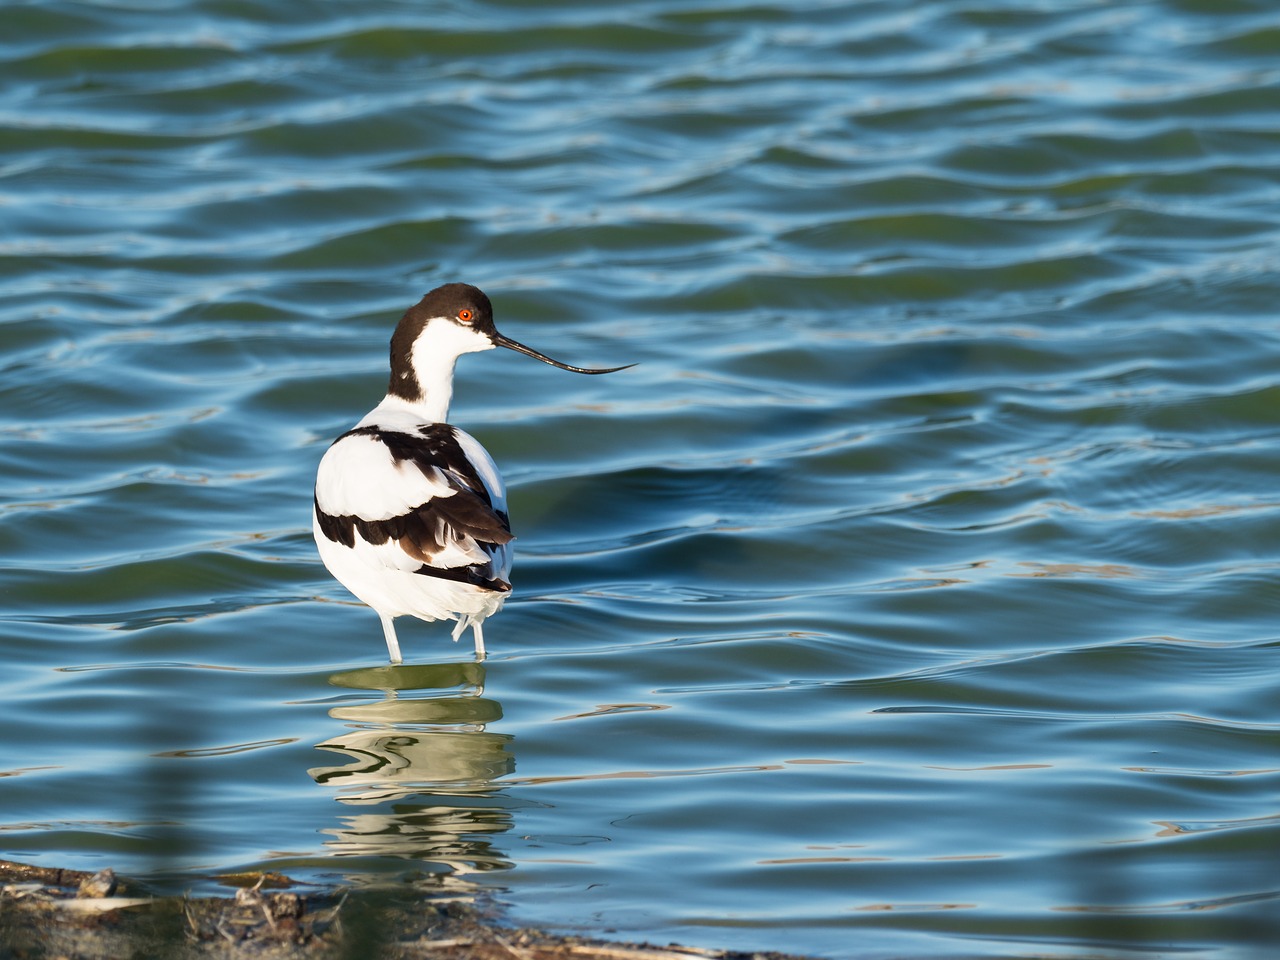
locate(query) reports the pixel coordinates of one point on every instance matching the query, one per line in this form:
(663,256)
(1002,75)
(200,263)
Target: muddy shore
(52,914)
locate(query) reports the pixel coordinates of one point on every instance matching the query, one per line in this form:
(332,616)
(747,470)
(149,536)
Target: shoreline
(47,912)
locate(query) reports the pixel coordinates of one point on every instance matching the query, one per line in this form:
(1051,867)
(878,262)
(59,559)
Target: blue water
(916,596)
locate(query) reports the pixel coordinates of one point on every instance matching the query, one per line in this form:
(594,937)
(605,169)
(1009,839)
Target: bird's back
(411,518)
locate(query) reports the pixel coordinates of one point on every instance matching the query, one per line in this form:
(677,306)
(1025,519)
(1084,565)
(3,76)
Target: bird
(410,511)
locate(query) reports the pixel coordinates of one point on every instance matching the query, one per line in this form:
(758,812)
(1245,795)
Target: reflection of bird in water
(423,768)
(393,764)
(404,744)
(410,512)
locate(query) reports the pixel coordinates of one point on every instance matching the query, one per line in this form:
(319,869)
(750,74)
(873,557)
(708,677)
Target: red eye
(465,315)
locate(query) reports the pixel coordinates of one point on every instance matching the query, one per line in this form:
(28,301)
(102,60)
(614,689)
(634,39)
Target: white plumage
(411,512)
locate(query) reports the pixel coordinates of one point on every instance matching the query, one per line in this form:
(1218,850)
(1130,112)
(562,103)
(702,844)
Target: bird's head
(451,320)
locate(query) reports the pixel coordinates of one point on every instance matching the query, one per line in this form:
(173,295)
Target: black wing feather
(424,531)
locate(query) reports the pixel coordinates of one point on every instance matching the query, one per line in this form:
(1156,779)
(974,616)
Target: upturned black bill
(518,347)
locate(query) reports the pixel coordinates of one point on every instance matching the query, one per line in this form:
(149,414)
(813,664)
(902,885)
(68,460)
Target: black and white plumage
(411,512)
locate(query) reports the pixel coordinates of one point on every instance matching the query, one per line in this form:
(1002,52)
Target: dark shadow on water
(418,784)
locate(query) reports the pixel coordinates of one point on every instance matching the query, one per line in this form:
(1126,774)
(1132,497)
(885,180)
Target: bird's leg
(393,645)
(479,632)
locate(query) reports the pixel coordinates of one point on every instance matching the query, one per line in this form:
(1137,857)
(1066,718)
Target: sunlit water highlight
(914,597)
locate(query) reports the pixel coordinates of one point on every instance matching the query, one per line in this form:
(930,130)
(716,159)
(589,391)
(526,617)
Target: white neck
(429,377)
(427,410)
(435,378)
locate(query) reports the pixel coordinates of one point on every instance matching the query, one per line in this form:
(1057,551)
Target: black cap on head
(451,300)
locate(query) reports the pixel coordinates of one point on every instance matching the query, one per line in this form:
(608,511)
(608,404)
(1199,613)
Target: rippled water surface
(916,596)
